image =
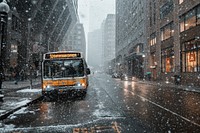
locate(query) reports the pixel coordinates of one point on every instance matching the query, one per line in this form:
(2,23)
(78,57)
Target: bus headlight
(78,84)
(82,85)
(49,88)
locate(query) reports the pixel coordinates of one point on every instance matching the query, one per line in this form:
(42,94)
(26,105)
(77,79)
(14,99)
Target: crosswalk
(113,128)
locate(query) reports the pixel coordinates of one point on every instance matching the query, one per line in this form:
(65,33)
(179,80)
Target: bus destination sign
(62,55)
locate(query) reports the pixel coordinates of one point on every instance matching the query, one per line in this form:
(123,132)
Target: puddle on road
(113,128)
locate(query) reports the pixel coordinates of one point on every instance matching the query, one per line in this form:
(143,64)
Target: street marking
(184,118)
(113,128)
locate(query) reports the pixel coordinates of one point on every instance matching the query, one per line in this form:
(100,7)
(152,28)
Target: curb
(4,116)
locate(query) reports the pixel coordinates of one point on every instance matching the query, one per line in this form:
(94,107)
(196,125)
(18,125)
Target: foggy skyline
(93,12)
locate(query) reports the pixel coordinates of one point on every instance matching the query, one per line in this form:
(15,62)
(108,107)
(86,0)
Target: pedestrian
(16,74)
(21,73)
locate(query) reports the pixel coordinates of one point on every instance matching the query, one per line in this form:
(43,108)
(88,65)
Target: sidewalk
(18,96)
(171,84)
(21,84)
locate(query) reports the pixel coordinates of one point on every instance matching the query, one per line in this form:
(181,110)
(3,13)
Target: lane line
(184,118)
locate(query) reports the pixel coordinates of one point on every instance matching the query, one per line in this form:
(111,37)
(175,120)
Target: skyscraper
(108,39)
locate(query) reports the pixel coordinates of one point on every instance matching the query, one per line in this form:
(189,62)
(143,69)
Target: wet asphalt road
(134,107)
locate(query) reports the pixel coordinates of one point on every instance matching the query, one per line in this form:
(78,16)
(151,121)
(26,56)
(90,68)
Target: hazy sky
(93,12)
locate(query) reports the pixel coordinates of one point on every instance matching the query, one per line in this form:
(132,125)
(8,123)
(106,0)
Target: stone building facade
(174,40)
(130,37)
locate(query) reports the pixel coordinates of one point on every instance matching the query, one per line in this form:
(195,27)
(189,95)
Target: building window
(191,56)
(154,11)
(198,14)
(16,23)
(152,39)
(181,1)
(153,60)
(14,48)
(166,8)
(167,31)
(167,60)
(182,24)
(190,19)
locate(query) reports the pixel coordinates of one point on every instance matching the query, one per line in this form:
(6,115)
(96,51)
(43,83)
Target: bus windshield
(63,68)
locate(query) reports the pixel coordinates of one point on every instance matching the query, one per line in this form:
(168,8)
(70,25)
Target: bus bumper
(64,90)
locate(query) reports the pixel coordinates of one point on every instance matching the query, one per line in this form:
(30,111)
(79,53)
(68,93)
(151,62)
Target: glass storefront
(191,56)
(168,60)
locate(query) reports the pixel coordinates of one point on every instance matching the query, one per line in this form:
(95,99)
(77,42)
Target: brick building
(174,40)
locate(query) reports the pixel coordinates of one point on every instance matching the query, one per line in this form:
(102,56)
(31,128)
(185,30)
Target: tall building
(98,9)
(108,40)
(35,27)
(130,37)
(76,40)
(174,40)
(95,49)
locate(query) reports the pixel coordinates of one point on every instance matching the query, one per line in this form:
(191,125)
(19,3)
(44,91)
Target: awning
(133,55)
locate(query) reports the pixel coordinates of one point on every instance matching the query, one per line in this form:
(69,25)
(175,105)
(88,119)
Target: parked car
(115,75)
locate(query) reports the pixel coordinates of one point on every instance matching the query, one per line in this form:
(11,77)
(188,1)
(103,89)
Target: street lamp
(4,9)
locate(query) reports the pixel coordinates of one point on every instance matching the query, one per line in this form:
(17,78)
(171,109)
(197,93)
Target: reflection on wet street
(134,106)
(160,108)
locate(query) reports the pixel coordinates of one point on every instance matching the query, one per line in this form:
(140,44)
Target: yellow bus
(64,72)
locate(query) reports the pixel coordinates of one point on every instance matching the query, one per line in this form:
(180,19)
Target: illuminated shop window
(191,57)
(168,60)
(191,61)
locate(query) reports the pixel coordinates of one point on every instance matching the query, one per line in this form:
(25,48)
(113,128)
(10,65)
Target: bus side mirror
(88,71)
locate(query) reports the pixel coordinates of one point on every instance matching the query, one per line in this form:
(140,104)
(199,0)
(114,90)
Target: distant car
(115,75)
(125,77)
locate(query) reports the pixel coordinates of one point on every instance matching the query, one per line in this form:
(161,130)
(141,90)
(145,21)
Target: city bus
(64,72)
